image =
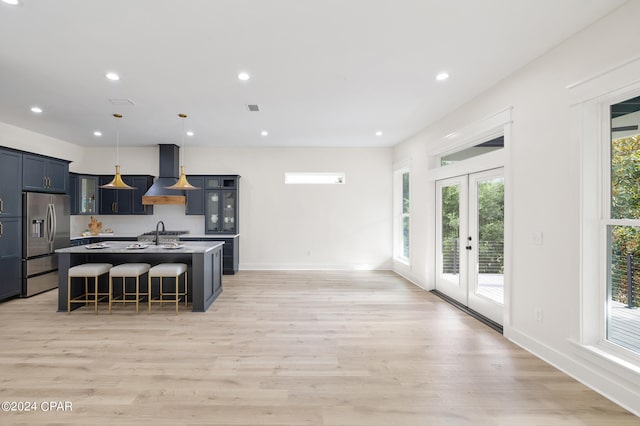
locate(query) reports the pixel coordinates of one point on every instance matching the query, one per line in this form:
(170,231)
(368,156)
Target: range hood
(169,173)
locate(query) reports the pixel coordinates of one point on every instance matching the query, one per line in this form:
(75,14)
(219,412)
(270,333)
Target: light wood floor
(285,348)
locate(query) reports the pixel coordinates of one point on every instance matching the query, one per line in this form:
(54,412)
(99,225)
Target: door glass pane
(451,232)
(213,207)
(229,212)
(88,189)
(623,287)
(491,239)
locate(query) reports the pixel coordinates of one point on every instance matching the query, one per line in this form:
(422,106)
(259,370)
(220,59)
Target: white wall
(18,138)
(281,226)
(545,187)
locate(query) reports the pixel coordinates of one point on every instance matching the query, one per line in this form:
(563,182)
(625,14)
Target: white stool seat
(86,271)
(90,269)
(124,271)
(168,270)
(171,271)
(129,270)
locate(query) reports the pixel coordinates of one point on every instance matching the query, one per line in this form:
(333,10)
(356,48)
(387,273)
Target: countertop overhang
(121,247)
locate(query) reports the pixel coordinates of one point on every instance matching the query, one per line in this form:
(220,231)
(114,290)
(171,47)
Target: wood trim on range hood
(164,199)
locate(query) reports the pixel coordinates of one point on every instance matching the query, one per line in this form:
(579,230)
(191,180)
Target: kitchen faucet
(157,232)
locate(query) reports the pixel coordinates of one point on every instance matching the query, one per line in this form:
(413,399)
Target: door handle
(55,223)
(1,205)
(1,229)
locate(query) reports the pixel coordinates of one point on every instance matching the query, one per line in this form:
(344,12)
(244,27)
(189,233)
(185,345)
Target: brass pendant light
(182,183)
(117,182)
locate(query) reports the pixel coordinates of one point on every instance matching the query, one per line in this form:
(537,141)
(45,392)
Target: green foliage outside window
(625,204)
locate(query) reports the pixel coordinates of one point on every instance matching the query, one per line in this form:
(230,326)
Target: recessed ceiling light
(190,133)
(442,76)
(113,76)
(11,2)
(264,133)
(97,133)
(244,76)
(378,133)
(36,109)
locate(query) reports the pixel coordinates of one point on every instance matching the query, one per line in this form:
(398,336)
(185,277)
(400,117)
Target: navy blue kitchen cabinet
(10,257)
(10,187)
(10,220)
(83,192)
(125,201)
(195,197)
(44,174)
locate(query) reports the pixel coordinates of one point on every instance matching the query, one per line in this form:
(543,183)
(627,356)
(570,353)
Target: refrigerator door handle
(46,224)
(49,224)
(55,224)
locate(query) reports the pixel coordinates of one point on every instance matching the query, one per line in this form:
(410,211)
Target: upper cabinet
(10,186)
(217,200)
(44,174)
(195,197)
(83,190)
(125,201)
(221,204)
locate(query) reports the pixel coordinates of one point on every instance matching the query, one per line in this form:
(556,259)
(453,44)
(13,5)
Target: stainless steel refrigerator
(46,228)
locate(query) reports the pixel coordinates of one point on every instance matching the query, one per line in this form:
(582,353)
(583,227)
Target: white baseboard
(588,374)
(312,267)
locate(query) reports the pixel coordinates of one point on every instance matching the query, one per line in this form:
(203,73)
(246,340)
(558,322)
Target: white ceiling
(324,72)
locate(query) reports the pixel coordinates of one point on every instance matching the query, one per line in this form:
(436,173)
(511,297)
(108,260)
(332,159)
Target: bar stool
(124,271)
(86,271)
(169,270)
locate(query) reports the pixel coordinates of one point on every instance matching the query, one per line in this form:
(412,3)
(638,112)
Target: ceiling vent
(122,102)
(253,108)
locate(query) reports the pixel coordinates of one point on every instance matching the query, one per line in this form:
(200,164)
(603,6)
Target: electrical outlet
(537,238)
(308,252)
(538,314)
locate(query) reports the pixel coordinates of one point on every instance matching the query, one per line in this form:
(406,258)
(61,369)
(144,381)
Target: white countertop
(211,236)
(124,247)
(135,236)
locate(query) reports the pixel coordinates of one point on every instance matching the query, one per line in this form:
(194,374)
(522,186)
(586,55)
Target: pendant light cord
(182,151)
(118,117)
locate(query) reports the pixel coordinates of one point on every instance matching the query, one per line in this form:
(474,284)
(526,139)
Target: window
(474,151)
(314,178)
(622,222)
(402,221)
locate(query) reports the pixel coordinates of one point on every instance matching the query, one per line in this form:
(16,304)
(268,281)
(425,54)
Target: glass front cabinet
(84,194)
(221,204)
(221,212)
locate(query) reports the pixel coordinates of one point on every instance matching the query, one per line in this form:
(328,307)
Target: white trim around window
(590,102)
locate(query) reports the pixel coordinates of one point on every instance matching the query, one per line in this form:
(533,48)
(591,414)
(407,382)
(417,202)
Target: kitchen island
(204,261)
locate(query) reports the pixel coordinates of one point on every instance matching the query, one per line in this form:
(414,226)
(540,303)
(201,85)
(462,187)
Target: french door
(470,241)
